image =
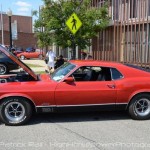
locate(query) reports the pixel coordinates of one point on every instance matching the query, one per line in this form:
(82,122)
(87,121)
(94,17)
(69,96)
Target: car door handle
(112,86)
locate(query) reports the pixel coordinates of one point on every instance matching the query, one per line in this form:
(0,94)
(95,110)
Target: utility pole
(2,26)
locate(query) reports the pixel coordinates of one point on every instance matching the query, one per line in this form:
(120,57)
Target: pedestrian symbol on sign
(74,23)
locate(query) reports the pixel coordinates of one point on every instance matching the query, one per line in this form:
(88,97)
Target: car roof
(127,71)
(96,63)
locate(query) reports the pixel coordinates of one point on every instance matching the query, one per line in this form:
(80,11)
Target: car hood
(18,61)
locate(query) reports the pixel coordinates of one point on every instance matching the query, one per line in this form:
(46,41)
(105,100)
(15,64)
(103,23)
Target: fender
(17,95)
(136,93)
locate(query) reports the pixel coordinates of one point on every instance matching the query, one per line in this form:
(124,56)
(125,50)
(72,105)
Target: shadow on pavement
(78,117)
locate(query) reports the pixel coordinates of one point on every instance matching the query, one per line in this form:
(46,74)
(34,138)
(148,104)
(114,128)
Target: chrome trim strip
(46,106)
(83,105)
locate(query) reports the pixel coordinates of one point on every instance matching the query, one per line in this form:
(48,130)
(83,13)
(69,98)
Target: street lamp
(9,13)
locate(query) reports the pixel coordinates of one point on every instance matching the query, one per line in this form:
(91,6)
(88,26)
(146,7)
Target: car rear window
(116,74)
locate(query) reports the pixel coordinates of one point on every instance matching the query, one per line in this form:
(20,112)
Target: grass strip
(32,65)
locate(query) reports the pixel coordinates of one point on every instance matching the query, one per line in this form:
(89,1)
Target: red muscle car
(77,85)
(29,54)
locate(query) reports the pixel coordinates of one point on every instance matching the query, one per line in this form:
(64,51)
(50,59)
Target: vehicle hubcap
(2,69)
(14,111)
(22,57)
(40,56)
(142,107)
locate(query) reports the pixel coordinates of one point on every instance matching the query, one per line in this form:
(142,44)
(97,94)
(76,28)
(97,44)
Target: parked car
(30,49)
(30,54)
(18,50)
(6,64)
(78,85)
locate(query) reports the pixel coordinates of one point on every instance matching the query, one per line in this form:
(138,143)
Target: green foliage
(53,19)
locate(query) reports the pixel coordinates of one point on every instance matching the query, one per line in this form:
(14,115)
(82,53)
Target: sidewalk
(37,62)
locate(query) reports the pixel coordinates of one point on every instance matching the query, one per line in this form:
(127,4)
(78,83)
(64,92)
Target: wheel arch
(139,93)
(3,63)
(21,96)
(40,55)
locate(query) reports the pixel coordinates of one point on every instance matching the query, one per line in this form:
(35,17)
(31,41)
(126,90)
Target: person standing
(51,55)
(60,61)
(89,57)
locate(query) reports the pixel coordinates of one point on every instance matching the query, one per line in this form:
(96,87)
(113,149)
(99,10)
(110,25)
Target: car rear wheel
(139,107)
(40,56)
(22,57)
(3,69)
(15,111)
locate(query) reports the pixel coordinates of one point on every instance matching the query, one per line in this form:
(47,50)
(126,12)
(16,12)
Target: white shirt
(51,56)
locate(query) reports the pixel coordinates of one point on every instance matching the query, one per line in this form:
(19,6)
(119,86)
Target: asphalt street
(82,131)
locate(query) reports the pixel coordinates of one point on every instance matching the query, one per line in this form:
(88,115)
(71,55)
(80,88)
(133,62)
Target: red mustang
(29,54)
(75,86)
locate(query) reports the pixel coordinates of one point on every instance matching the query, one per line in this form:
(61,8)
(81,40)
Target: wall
(127,39)
(26,37)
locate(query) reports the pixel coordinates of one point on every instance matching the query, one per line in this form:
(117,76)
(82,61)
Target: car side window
(92,73)
(116,74)
(82,74)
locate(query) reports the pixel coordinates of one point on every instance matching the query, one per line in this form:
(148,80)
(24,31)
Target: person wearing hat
(60,61)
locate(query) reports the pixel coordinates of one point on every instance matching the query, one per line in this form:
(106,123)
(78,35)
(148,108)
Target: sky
(20,7)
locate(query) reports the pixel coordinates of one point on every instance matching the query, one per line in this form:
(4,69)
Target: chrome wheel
(142,107)
(22,57)
(14,111)
(40,56)
(3,69)
(139,107)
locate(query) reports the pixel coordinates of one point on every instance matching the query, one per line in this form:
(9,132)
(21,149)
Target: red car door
(34,54)
(31,55)
(87,92)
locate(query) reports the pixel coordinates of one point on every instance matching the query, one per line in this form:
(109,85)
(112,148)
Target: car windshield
(62,71)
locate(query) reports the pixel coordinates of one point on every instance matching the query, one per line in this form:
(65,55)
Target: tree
(53,17)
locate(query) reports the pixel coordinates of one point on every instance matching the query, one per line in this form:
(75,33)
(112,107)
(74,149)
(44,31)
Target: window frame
(112,74)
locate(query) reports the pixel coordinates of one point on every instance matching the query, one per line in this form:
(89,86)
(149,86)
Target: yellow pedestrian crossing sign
(74,23)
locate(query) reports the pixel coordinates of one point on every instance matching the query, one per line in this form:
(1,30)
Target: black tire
(40,56)
(3,69)
(15,111)
(139,107)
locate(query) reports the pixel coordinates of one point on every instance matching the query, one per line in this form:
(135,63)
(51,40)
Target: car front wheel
(139,107)
(15,111)
(3,69)
(22,57)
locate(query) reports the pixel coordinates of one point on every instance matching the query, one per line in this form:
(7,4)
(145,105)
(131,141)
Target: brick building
(24,36)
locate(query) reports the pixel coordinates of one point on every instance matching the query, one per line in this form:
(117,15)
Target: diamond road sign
(74,23)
